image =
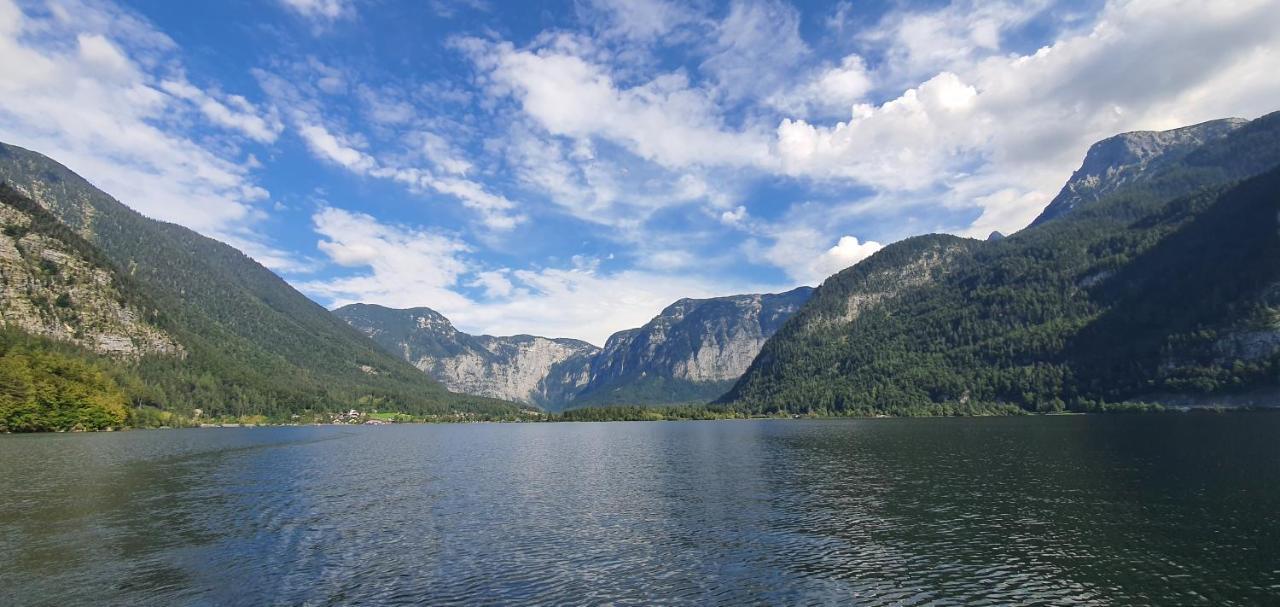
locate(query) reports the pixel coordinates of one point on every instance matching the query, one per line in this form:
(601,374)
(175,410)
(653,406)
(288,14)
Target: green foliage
(1123,298)
(44,389)
(654,389)
(635,413)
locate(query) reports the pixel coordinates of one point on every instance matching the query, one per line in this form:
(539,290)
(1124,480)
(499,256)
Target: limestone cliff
(518,368)
(52,284)
(691,351)
(1130,157)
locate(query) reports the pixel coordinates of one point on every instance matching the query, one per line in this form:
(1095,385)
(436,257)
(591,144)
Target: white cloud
(905,144)
(496,284)
(99,53)
(569,302)
(496,211)
(443,155)
(734,217)
(641,20)
(757,46)
(664,120)
(403,267)
(832,90)
(1003,132)
(386,110)
(846,252)
(233,111)
(335,149)
(800,252)
(605,189)
(920,43)
(320,10)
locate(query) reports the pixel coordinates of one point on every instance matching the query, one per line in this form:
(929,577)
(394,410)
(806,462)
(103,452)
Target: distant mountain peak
(689,351)
(1127,157)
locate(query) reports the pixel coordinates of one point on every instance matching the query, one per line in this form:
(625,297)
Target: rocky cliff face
(691,351)
(51,286)
(523,368)
(1130,157)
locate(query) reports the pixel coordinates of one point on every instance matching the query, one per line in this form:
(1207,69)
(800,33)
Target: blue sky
(570,168)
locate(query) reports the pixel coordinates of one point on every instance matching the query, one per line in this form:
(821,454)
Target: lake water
(1166,509)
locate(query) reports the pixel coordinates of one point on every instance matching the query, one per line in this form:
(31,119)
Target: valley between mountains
(1152,279)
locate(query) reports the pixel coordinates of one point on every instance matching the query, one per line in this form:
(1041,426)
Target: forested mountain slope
(253,344)
(1165,288)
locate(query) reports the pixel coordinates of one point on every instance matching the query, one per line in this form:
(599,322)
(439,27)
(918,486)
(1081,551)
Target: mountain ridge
(691,351)
(1127,157)
(1074,312)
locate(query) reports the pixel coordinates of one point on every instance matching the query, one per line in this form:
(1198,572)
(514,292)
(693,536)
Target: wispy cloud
(321,11)
(406,266)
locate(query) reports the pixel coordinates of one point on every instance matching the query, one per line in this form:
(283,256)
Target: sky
(569,169)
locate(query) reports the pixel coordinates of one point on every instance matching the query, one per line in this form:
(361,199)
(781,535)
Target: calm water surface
(1172,509)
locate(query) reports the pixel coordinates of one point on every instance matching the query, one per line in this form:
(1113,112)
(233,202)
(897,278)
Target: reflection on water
(1173,509)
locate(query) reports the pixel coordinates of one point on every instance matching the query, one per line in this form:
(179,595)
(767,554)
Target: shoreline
(1163,410)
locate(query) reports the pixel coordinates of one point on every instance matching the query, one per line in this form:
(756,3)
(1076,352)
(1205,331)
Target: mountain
(1165,286)
(1131,158)
(523,368)
(692,351)
(249,343)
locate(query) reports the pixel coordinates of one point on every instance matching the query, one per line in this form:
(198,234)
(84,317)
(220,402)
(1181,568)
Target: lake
(1122,509)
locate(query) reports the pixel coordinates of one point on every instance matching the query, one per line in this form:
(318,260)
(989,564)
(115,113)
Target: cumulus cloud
(833,89)
(802,253)
(1002,132)
(664,120)
(907,143)
(401,266)
(846,252)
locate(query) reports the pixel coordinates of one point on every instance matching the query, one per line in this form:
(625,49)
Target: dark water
(1172,509)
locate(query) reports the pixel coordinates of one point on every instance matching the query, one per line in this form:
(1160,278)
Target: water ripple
(1068,511)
